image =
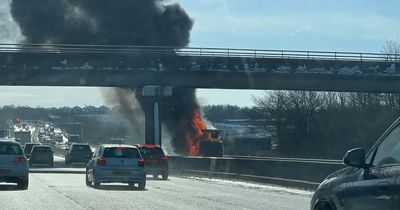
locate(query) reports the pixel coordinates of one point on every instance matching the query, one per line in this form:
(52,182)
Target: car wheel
(165,176)
(23,184)
(142,185)
(131,185)
(96,184)
(323,206)
(88,183)
(155,176)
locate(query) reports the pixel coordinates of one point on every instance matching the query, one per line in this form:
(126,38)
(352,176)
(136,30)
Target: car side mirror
(355,158)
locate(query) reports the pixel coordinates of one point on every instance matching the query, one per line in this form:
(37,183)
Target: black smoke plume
(114,22)
(120,22)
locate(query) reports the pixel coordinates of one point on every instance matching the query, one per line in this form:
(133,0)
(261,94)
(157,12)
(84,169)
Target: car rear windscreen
(81,149)
(41,149)
(10,149)
(151,152)
(121,152)
(28,148)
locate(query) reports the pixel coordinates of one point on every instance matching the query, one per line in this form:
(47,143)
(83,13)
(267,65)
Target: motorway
(64,187)
(68,191)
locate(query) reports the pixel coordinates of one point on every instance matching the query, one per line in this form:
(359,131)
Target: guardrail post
(361,57)
(335,56)
(255,53)
(200,51)
(308,55)
(228,52)
(282,54)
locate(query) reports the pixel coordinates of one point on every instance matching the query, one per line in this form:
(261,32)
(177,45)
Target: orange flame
(192,139)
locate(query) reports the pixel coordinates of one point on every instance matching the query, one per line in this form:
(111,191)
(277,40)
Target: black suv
(155,159)
(78,153)
(371,182)
(41,155)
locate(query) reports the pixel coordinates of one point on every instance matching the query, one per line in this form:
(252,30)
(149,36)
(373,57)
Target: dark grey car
(370,182)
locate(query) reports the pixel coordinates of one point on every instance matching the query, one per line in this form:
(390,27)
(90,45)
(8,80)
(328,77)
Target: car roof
(149,146)
(80,144)
(117,145)
(8,141)
(36,146)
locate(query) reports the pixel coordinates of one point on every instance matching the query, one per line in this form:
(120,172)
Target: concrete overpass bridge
(136,66)
(142,66)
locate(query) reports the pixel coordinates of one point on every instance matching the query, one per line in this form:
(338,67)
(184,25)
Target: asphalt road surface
(68,191)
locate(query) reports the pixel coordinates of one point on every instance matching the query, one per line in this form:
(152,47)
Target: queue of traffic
(109,163)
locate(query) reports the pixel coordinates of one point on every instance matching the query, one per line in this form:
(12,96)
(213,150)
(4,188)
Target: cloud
(9,31)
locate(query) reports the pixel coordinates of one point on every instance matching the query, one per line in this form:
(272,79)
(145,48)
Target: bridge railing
(200,52)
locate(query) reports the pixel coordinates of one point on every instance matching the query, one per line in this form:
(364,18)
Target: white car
(116,163)
(13,164)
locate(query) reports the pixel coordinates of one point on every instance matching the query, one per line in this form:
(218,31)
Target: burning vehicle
(204,140)
(211,144)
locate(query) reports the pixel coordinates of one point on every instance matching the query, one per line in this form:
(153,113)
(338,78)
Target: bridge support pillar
(151,108)
(152,101)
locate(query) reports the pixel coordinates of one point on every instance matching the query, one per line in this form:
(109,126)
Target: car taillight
(141,162)
(101,161)
(164,158)
(20,159)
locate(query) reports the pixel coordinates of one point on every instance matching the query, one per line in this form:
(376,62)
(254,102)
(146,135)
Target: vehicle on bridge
(211,144)
(116,163)
(371,181)
(14,167)
(155,159)
(41,154)
(78,154)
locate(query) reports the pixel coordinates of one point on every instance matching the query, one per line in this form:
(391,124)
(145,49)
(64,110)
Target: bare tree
(392,50)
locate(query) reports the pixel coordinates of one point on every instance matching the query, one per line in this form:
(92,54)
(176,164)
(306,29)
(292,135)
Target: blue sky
(329,25)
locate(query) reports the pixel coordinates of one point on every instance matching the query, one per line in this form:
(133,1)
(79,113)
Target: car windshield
(10,149)
(151,152)
(121,152)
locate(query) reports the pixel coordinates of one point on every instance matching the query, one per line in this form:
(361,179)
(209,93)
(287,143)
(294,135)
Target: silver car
(13,164)
(116,163)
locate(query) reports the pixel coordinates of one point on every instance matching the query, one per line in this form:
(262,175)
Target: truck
(210,144)
(23,137)
(74,138)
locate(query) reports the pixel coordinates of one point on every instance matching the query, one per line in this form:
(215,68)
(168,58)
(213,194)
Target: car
(155,159)
(41,154)
(28,148)
(14,167)
(78,153)
(116,163)
(370,181)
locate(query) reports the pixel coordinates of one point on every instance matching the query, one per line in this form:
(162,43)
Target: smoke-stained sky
(134,22)
(337,25)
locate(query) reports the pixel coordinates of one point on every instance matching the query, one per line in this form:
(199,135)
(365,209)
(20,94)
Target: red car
(155,160)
